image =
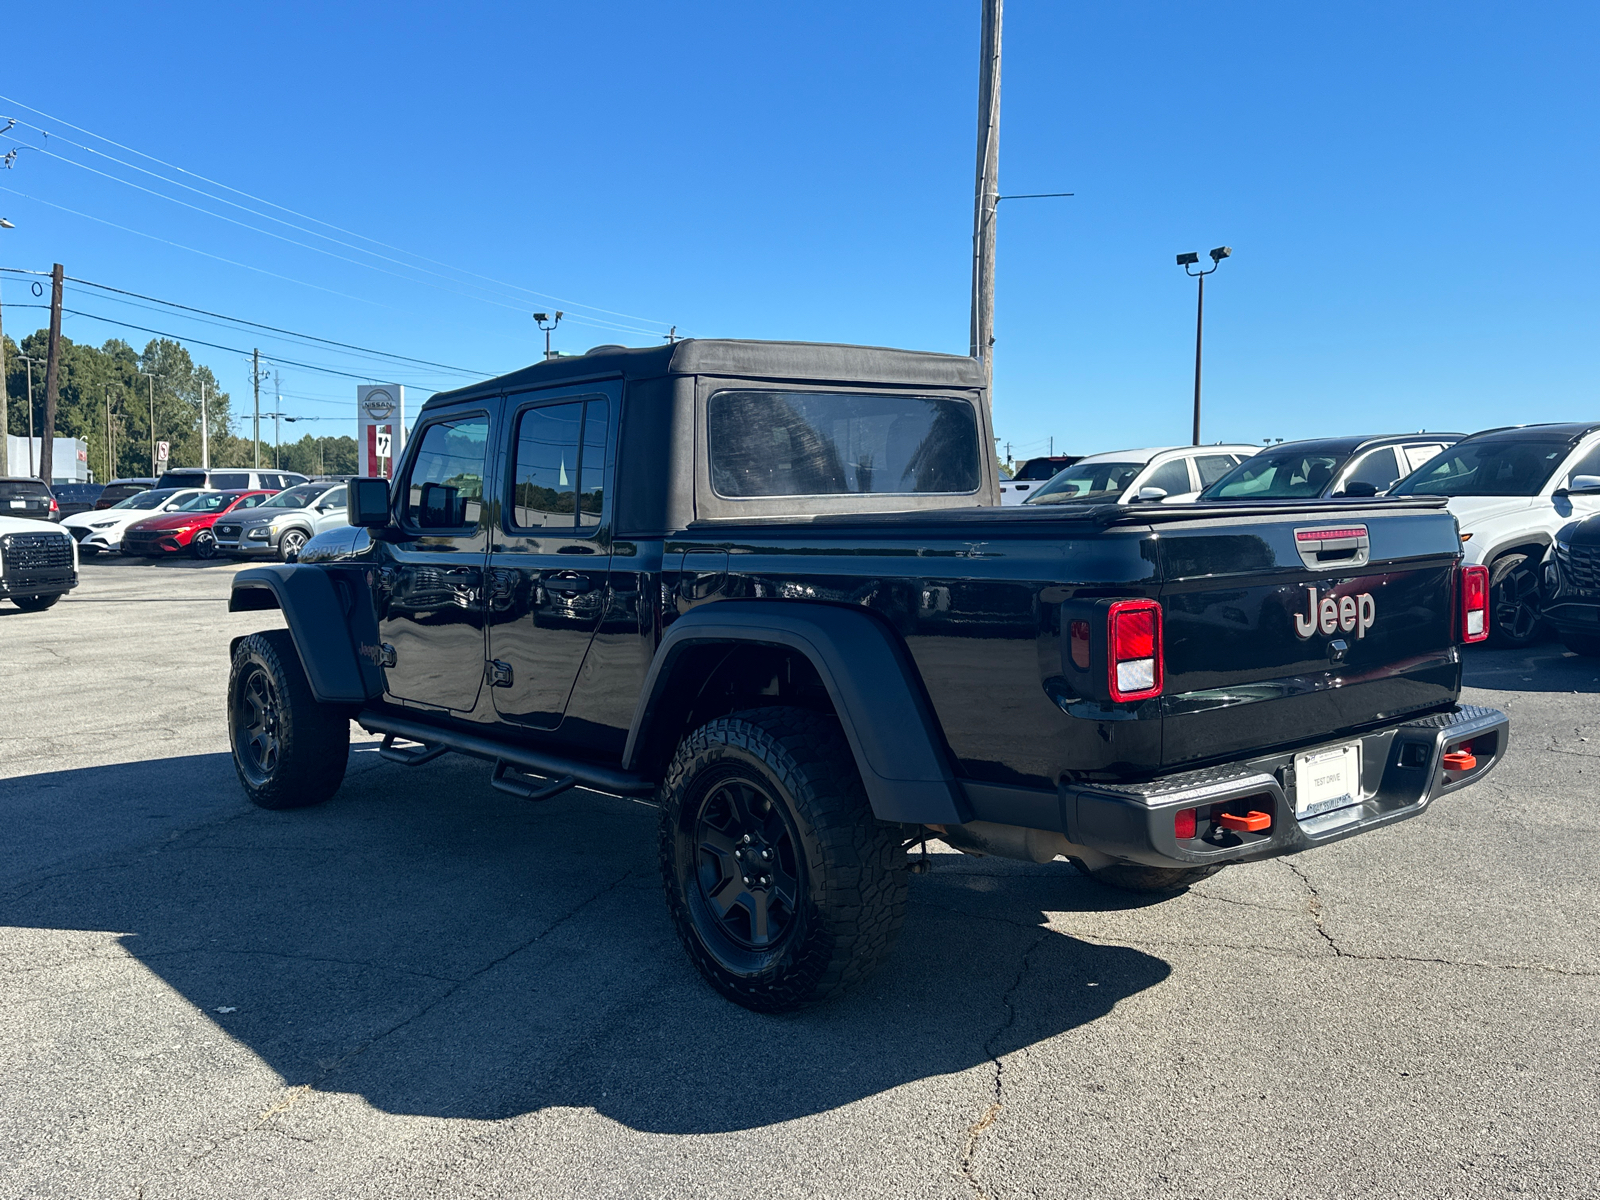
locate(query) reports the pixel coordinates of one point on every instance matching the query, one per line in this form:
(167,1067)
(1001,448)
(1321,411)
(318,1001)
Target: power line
(518,306)
(293,212)
(203,253)
(311,337)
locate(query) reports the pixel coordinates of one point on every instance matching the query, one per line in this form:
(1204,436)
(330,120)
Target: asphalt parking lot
(427,988)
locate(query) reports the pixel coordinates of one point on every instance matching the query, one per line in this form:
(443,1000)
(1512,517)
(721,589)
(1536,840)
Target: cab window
(444,489)
(558,476)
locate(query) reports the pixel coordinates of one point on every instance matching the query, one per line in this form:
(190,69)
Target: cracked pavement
(428,988)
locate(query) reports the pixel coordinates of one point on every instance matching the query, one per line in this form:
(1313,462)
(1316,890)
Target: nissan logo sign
(379,405)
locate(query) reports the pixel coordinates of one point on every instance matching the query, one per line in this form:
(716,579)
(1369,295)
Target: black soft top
(809,361)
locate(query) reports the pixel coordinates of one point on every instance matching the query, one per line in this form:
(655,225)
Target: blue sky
(1410,192)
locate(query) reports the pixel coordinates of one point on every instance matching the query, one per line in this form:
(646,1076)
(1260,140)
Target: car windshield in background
(209,502)
(151,499)
(1497,467)
(17,489)
(297,497)
(768,443)
(1088,481)
(1285,475)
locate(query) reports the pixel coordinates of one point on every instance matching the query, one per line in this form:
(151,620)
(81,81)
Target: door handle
(569,584)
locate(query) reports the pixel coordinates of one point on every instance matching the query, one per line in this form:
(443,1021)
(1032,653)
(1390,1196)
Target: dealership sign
(380,427)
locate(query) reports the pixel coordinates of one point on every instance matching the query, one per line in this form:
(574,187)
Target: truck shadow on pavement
(1543,667)
(440,949)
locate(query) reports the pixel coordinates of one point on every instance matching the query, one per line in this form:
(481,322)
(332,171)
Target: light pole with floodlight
(548,326)
(1186,261)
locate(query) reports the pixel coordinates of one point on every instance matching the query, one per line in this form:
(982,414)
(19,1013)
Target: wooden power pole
(52,372)
(985,202)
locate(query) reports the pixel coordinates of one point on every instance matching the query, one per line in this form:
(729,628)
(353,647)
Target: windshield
(1500,467)
(209,502)
(1278,475)
(296,497)
(146,499)
(1088,481)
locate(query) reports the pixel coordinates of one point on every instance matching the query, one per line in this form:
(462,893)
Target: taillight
(1133,641)
(54,507)
(1474,603)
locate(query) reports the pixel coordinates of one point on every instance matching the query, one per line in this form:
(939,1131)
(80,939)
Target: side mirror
(1151,493)
(368,503)
(1584,484)
(1358,487)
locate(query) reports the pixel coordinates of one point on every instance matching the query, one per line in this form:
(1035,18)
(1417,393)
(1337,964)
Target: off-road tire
(289,749)
(291,543)
(1136,877)
(850,874)
(35,603)
(1514,589)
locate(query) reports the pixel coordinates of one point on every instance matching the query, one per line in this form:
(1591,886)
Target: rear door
(1280,630)
(431,581)
(550,563)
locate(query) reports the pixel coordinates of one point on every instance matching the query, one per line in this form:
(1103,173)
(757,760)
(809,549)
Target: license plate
(19,504)
(1327,779)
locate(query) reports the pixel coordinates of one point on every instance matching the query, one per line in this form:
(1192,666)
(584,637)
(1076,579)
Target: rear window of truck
(774,443)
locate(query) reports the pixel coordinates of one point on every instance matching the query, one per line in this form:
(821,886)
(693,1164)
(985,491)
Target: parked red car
(189,528)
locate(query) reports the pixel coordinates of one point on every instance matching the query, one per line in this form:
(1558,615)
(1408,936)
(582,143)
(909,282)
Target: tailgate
(1293,627)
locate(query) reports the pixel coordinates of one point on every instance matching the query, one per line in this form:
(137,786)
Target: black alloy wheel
(783,887)
(747,868)
(290,545)
(289,749)
(257,718)
(1514,611)
(203,544)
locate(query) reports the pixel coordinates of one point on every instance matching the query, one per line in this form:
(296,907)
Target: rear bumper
(1402,773)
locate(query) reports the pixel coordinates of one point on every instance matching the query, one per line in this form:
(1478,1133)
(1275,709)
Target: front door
(431,580)
(551,558)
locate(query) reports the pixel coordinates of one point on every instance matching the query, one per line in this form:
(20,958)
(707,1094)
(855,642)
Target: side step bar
(506,755)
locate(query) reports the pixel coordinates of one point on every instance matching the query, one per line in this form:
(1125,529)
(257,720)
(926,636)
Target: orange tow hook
(1460,760)
(1250,822)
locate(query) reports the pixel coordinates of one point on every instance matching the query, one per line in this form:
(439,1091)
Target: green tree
(89,379)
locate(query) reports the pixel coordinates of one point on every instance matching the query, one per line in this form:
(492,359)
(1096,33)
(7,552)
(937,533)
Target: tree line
(90,378)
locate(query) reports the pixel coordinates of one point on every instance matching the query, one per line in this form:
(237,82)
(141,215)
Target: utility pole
(30,361)
(988,189)
(277,436)
(150,375)
(51,371)
(110,473)
(205,430)
(255,383)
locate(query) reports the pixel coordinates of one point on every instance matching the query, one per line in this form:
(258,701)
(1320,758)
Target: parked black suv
(769,586)
(30,498)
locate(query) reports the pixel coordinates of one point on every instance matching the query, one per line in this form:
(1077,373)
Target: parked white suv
(1166,474)
(1511,490)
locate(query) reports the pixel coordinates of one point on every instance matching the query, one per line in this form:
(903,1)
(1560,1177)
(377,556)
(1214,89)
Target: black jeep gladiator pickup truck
(770,586)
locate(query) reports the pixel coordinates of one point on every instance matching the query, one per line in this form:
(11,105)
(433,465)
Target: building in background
(380,427)
(70,462)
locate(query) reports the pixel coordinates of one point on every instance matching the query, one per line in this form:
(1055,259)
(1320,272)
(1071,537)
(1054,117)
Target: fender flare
(319,620)
(875,688)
